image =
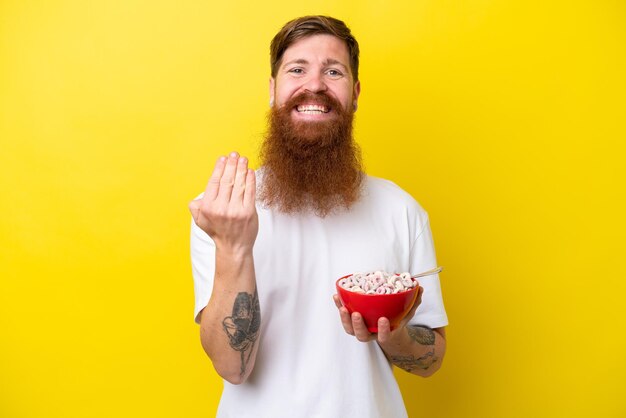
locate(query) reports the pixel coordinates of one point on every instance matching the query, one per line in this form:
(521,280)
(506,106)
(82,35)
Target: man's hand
(355,325)
(414,348)
(227,210)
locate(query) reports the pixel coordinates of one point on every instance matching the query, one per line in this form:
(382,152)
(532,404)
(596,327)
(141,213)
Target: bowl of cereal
(378,294)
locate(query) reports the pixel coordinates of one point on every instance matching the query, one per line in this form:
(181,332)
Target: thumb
(194,208)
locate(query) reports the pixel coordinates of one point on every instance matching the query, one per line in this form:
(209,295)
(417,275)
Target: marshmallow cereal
(378,283)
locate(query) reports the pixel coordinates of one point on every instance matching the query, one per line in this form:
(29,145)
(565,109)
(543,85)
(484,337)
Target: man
(264,269)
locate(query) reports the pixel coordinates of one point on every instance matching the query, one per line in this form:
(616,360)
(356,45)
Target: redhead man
(267,247)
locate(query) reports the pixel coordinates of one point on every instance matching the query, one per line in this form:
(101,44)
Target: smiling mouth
(312,109)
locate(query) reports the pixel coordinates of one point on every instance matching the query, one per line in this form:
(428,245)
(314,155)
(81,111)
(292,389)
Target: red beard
(310,165)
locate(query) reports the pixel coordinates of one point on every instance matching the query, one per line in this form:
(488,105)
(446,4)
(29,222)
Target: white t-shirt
(306,365)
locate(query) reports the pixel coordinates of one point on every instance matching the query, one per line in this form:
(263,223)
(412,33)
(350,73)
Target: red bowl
(393,306)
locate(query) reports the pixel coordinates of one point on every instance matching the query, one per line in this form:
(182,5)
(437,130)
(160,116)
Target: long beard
(310,165)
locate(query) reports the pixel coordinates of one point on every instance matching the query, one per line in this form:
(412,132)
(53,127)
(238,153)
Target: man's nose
(315,84)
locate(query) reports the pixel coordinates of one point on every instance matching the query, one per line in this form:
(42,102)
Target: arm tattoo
(421,335)
(410,363)
(243,326)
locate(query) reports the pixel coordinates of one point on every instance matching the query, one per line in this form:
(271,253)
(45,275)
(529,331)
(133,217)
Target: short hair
(305,26)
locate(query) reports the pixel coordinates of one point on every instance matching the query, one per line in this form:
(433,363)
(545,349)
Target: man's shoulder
(388,188)
(391,200)
(382,184)
(387,192)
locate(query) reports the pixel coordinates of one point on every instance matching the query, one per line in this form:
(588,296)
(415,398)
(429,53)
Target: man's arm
(416,349)
(230,323)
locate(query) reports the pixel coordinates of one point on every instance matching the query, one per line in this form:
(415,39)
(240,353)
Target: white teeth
(312,109)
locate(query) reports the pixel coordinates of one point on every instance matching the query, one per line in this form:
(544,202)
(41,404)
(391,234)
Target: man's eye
(296,70)
(334,73)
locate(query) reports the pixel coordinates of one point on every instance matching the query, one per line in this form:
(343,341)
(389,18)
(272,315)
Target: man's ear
(356,93)
(272,89)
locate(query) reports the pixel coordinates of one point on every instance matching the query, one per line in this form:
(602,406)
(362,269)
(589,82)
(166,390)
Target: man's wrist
(398,341)
(235,254)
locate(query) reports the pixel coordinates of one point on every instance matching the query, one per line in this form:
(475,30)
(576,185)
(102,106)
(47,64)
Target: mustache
(320,98)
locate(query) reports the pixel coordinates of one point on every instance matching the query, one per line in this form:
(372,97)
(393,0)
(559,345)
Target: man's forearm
(417,349)
(230,323)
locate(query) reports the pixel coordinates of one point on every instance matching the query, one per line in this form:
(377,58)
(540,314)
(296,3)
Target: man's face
(318,64)
(309,156)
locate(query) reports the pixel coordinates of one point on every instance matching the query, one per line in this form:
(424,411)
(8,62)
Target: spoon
(428,273)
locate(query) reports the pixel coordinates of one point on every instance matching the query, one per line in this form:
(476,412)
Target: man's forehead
(327,48)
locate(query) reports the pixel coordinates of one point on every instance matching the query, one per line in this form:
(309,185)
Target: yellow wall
(501,117)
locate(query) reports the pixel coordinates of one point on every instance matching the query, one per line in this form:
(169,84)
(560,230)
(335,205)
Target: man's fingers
(353,324)
(337,301)
(360,330)
(212,188)
(228,178)
(344,315)
(418,302)
(239,187)
(194,208)
(384,330)
(346,322)
(249,195)
(416,305)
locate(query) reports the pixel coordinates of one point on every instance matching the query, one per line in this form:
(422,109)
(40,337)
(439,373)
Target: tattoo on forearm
(243,326)
(410,363)
(421,335)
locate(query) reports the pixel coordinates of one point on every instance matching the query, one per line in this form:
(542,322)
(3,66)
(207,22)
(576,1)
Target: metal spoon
(428,273)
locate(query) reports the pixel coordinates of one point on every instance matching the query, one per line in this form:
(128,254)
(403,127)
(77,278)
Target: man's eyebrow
(332,61)
(296,61)
(329,61)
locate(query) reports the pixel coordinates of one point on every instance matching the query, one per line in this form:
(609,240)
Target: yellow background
(504,119)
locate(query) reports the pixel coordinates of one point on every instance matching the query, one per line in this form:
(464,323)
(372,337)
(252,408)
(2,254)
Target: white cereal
(378,282)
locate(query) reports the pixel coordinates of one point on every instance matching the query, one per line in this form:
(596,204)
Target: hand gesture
(227,210)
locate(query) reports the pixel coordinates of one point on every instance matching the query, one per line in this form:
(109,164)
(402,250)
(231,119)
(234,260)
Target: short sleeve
(431,312)
(202,249)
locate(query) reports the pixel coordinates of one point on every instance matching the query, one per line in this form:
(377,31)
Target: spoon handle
(428,273)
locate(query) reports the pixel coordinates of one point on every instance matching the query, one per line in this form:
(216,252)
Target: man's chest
(295,252)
